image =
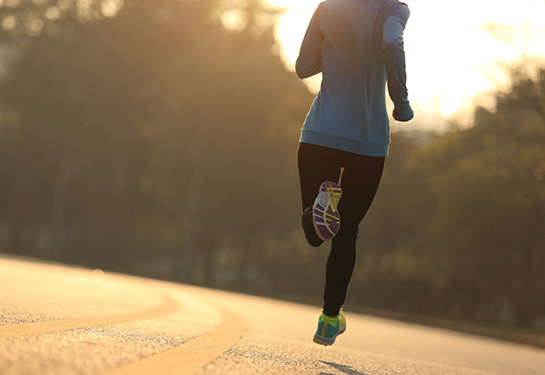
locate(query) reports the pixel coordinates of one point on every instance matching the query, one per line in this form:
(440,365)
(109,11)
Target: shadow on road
(343,368)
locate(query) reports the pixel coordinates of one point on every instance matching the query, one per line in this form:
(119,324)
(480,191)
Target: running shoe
(329,329)
(308,228)
(325,216)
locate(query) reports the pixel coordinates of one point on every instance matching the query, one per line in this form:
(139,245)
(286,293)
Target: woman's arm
(394,60)
(309,61)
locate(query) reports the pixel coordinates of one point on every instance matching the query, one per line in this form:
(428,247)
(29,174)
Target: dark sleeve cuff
(404,112)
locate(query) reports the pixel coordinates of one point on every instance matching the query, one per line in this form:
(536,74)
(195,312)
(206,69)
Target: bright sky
(450,56)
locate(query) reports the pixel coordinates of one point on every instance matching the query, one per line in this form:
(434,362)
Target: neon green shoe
(329,329)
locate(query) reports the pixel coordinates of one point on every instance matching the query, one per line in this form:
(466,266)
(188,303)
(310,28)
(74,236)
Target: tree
(154,126)
(489,189)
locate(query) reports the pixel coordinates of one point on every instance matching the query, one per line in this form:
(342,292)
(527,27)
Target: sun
(291,27)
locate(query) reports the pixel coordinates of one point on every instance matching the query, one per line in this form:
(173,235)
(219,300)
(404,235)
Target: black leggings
(360,180)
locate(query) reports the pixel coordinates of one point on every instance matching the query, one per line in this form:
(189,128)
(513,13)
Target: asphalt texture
(65,320)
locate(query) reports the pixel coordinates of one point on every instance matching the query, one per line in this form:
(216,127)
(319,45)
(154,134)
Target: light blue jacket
(358,46)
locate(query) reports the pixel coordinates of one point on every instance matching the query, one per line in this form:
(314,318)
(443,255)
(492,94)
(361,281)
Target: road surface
(62,320)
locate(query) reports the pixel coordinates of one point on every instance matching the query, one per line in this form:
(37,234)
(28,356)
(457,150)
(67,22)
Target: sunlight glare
(111,8)
(233,20)
(451,54)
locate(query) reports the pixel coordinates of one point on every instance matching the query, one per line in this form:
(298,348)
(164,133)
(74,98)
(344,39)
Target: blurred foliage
(156,129)
(159,138)
(460,217)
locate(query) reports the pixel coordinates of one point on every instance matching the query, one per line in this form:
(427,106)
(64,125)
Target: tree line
(147,137)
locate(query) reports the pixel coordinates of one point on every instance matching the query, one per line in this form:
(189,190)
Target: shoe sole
(326,342)
(325,215)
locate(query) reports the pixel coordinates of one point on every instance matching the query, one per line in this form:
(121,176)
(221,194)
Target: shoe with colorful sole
(325,215)
(329,328)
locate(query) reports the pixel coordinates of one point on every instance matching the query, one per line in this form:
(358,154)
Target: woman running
(357,45)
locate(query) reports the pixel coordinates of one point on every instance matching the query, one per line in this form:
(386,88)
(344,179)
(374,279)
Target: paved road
(63,320)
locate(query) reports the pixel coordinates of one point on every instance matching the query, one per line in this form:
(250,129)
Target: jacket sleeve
(309,61)
(394,59)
